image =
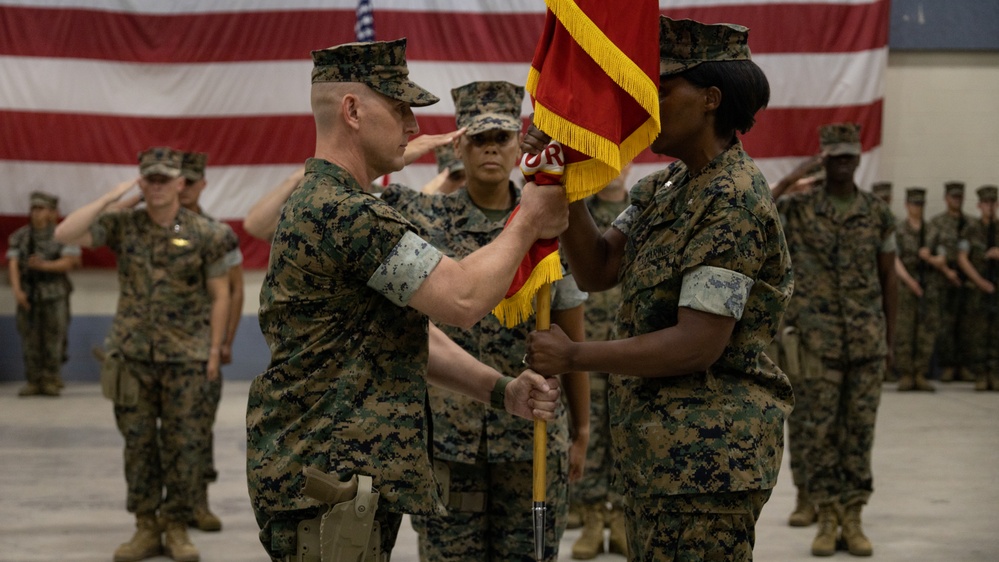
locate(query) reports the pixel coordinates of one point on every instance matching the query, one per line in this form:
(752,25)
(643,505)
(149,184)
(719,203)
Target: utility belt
(346,530)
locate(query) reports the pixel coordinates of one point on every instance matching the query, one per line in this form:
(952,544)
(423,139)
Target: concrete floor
(62,491)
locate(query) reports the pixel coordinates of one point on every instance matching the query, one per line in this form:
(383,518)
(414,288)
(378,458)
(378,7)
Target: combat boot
(591,542)
(177,545)
(203,519)
(981,382)
(947,374)
(906,382)
(856,542)
(30,389)
(50,387)
(618,536)
(923,384)
(575,520)
(804,511)
(144,544)
(824,543)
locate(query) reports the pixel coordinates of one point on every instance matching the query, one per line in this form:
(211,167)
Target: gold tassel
(519,307)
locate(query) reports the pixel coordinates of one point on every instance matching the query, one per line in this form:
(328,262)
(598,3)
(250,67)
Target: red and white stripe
(87,84)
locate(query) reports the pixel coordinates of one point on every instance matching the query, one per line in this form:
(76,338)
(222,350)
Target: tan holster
(799,362)
(118,383)
(790,344)
(347,530)
(467,502)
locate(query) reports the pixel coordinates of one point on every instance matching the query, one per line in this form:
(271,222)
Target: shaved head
(327,97)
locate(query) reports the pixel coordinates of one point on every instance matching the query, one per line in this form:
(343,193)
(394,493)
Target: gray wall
(250,354)
(970,25)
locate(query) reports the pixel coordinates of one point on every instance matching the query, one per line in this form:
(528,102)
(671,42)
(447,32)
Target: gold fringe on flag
(585,178)
(520,306)
(607,55)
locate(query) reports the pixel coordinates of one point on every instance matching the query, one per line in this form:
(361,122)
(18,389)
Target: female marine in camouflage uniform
(697,409)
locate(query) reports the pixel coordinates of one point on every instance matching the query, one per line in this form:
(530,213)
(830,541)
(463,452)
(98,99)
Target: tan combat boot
(922,384)
(906,382)
(981,382)
(204,519)
(804,511)
(825,540)
(591,542)
(575,520)
(30,389)
(177,545)
(856,542)
(947,374)
(144,544)
(51,386)
(618,536)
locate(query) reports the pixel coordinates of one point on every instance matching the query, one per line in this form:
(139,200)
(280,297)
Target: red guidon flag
(541,264)
(594,82)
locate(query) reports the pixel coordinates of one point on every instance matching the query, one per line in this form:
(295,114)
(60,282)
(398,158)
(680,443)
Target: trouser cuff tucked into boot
(857,543)
(804,511)
(177,545)
(824,543)
(591,542)
(618,543)
(145,542)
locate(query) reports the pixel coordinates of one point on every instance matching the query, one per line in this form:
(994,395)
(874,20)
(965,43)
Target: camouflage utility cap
(447,159)
(684,44)
(42,199)
(954,188)
(987,193)
(915,196)
(838,139)
(484,106)
(881,187)
(379,64)
(160,160)
(193,166)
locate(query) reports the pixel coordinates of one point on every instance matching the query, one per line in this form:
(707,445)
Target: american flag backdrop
(87,84)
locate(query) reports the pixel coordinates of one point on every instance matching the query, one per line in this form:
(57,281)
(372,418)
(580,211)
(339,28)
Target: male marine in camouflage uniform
(883,191)
(165,340)
(842,244)
(193,170)
(919,284)
(487,453)
(344,311)
(947,227)
(38,266)
(978,257)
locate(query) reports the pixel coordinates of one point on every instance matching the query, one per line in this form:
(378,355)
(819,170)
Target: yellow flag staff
(591,54)
(543,305)
(539,269)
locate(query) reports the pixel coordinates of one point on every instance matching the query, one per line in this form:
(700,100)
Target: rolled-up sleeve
(715,290)
(405,269)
